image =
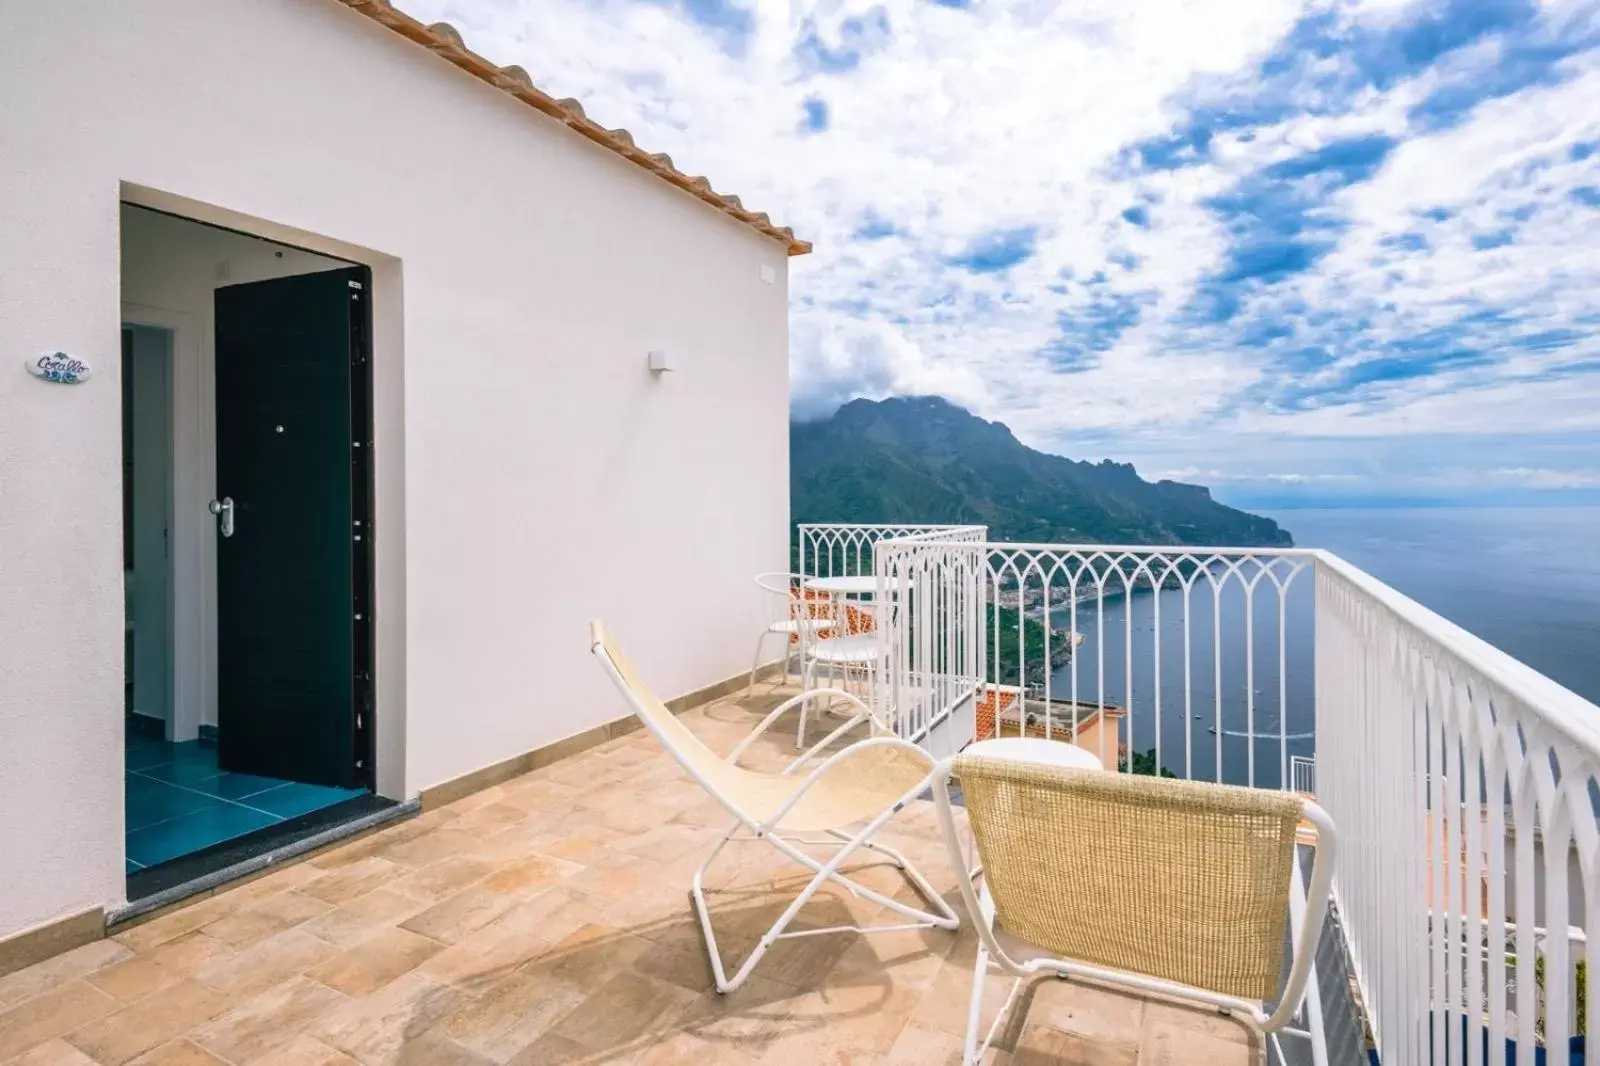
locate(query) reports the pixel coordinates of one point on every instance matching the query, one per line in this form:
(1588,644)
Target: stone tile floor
(546,921)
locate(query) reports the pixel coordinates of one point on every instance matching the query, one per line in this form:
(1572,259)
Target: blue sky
(1336,250)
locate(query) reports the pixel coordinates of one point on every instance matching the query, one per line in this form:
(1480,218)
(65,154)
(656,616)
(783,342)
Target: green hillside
(923,459)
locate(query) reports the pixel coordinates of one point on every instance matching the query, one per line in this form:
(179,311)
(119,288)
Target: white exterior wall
(532,473)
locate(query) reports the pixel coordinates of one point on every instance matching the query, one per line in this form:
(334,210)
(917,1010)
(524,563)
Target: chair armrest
(794,701)
(826,766)
(815,749)
(1306,925)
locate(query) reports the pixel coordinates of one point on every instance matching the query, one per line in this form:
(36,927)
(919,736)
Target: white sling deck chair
(1179,888)
(845,796)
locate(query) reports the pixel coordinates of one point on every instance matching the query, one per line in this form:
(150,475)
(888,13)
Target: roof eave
(444,40)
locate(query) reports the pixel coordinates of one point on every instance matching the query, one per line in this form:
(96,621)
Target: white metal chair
(1180,888)
(850,648)
(799,620)
(837,800)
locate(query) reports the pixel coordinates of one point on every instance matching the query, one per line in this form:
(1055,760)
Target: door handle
(223,509)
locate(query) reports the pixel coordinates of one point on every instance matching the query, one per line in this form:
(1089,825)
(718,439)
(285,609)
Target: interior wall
(149,582)
(173,266)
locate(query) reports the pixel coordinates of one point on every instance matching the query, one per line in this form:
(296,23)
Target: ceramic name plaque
(59,367)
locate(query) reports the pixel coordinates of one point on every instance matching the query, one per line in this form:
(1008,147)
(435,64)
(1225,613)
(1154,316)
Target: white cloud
(1536,478)
(866,358)
(1020,113)
(1190,473)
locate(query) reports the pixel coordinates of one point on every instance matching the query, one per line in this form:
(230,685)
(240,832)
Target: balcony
(1463,783)
(546,920)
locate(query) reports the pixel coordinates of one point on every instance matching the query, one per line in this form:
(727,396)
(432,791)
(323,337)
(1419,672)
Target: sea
(1525,579)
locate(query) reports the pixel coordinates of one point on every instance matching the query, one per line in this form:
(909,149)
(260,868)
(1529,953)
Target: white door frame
(193,548)
(147,383)
(192,377)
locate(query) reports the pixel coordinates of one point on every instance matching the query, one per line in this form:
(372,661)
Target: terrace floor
(546,921)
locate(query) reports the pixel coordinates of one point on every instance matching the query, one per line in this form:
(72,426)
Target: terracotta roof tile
(445,40)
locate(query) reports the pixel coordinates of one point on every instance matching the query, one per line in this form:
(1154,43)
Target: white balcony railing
(931,680)
(1303,774)
(832,549)
(1193,663)
(1465,785)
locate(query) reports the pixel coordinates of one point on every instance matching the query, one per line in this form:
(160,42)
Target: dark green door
(286,527)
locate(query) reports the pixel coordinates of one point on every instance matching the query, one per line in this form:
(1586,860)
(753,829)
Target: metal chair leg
(808,675)
(756,663)
(980,973)
(941,916)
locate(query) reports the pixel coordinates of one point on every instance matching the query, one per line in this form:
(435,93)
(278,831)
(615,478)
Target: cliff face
(923,459)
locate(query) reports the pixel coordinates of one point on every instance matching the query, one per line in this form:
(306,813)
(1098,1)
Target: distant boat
(1260,734)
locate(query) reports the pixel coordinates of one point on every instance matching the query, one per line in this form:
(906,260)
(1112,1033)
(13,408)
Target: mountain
(923,459)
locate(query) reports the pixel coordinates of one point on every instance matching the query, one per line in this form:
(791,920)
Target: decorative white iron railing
(834,549)
(1466,786)
(1303,774)
(1193,663)
(930,639)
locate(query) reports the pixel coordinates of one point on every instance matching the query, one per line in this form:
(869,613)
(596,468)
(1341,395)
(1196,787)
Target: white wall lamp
(661,362)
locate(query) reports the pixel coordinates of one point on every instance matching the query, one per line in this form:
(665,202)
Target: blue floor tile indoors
(180,801)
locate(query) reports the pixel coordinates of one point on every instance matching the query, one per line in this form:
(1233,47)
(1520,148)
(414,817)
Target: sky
(1342,251)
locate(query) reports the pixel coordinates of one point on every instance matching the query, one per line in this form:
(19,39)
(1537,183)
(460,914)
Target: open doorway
(247,545)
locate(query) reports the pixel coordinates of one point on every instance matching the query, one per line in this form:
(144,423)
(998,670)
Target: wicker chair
(1179,888)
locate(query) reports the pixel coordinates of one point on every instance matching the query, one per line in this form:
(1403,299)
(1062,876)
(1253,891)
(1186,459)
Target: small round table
(836,589)
(1036,750)
(851,585)
(860,650)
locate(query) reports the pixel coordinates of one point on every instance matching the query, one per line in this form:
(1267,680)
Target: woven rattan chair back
(1182,880)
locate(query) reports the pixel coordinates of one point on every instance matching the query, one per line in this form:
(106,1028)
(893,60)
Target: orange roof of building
(443,39)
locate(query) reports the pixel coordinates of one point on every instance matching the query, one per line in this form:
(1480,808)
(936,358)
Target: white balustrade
(931,637)
(832,549)
(1466,786)
(1303,774)
(1198,663)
